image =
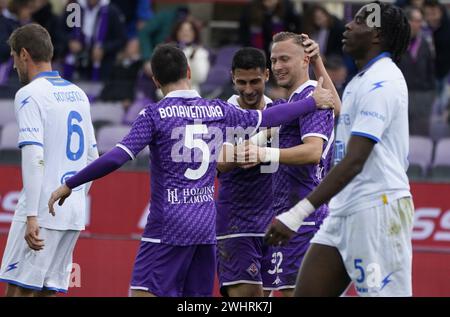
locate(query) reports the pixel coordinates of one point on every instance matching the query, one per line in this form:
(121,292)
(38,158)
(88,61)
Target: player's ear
(266,75)
(188,73)
(24,53)
(232,77)
(306,60)
(376,36)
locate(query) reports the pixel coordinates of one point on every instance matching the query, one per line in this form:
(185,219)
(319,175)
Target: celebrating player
(367,237)
(177,251)
(304,153)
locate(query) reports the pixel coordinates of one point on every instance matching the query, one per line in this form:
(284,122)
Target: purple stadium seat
(420,152)
(224,56)
(134,110)
(9,136)
(92,89)
(9,152)
(441,164)
(7,114)
(218,77)
(107,112)
(109,136)
(442,155)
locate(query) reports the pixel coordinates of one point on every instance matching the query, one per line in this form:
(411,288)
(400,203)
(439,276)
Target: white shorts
(375,245)
(47,269)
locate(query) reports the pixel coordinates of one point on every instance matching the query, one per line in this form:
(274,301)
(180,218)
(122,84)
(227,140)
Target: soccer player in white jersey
(56,138)
(367,236)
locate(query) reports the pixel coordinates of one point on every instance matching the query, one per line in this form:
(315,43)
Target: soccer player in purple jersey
(305,151)
(244,205)
(366,239)
(184,132)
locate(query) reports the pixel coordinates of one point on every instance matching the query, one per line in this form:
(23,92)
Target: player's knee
(289,292)
(245,290)
(17,291)
(141,293)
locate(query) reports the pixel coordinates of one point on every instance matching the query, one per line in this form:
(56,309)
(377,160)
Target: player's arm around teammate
(312,50)
(311,150)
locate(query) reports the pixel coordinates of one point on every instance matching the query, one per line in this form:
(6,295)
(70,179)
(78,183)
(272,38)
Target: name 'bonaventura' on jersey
(184,133)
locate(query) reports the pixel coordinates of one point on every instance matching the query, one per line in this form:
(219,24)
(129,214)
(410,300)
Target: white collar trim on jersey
(183,94)
(303,86)
(234,101)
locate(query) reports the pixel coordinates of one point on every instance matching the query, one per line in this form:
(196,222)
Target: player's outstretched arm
(312,50)
(286,224)
(309,152)
(102,166)
(321,98)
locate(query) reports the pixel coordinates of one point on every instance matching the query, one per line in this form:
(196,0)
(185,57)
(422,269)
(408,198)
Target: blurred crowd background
(108,57)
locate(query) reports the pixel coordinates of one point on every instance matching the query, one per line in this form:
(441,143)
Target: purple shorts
(282,263)
(239,261)
(174,271)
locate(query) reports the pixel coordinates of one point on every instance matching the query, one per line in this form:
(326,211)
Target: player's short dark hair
(284,36)
(169,64)
(249,58)
(395,30)
(35,39)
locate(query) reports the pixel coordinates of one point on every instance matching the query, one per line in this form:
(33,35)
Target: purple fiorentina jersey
(184,133)
(294,182)
(245,199)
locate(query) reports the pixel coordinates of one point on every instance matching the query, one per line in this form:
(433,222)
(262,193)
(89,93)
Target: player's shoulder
(277,102)
(148,110)
(385,76)
(305,90)
(226,106)
(26,93)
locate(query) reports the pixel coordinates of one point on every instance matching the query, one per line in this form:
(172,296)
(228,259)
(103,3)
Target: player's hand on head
(59,195)
(278,233)
(32,234)
(322,96)
(312,49)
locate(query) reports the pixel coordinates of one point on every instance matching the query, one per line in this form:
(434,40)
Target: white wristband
(259,139)
(271,155)
(293,218)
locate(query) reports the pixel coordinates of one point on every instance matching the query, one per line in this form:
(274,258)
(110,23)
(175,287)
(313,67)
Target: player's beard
(287,84)
(253,104)
(23,77)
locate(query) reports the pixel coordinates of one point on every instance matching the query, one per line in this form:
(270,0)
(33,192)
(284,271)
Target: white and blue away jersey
(55,114)
(375,106)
